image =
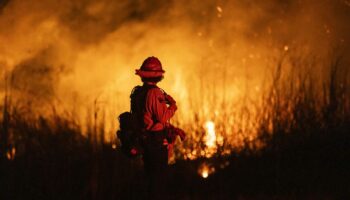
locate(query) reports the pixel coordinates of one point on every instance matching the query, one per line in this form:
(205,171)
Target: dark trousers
(155,159)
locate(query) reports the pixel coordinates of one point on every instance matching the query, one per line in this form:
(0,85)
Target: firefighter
(153,108)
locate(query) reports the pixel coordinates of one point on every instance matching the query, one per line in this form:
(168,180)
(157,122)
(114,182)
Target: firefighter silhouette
(153,109)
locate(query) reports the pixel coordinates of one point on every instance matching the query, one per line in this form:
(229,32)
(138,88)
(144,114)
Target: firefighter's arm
(171,101)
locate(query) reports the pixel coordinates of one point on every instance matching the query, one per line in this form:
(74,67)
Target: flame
(205,173)
(210,139)
(205,170)
(83,62)
(10,154)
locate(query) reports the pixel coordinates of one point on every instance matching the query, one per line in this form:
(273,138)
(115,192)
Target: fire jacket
(159,108)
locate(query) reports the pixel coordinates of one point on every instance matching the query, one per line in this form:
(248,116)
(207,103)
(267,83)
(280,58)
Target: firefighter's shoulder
(155,91)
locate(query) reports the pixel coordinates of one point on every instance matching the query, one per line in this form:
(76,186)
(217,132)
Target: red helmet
(150,68)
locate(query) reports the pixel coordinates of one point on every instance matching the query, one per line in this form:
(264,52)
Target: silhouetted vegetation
(304,127)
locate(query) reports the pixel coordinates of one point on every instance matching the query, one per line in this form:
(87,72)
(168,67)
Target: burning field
(262,89)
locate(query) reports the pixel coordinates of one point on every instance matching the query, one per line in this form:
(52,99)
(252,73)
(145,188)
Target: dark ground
(70,168)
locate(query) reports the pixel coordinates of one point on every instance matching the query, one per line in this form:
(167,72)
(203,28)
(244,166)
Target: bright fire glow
(205,170)
(210,139)
(215,68)
(205,173)
(11,154)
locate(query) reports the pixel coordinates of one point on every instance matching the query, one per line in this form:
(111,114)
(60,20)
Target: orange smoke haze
(80,56)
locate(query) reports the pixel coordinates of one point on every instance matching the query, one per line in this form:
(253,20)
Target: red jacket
(159,108)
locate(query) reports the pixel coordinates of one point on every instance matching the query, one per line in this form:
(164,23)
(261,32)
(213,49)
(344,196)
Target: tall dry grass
(298,126)
(300,98)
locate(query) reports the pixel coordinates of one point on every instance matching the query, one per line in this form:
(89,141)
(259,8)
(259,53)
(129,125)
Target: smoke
(36,77)
(80,52)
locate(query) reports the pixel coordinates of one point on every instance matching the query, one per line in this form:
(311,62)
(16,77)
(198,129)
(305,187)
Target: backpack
(131,132)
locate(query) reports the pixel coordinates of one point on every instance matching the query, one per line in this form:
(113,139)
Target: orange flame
(205,170)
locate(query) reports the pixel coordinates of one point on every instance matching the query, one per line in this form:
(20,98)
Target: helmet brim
(149,74)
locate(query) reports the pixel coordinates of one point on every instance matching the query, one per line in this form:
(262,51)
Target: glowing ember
(11,154)
(205,170)
(219,9)
(205,173)
(114,146)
